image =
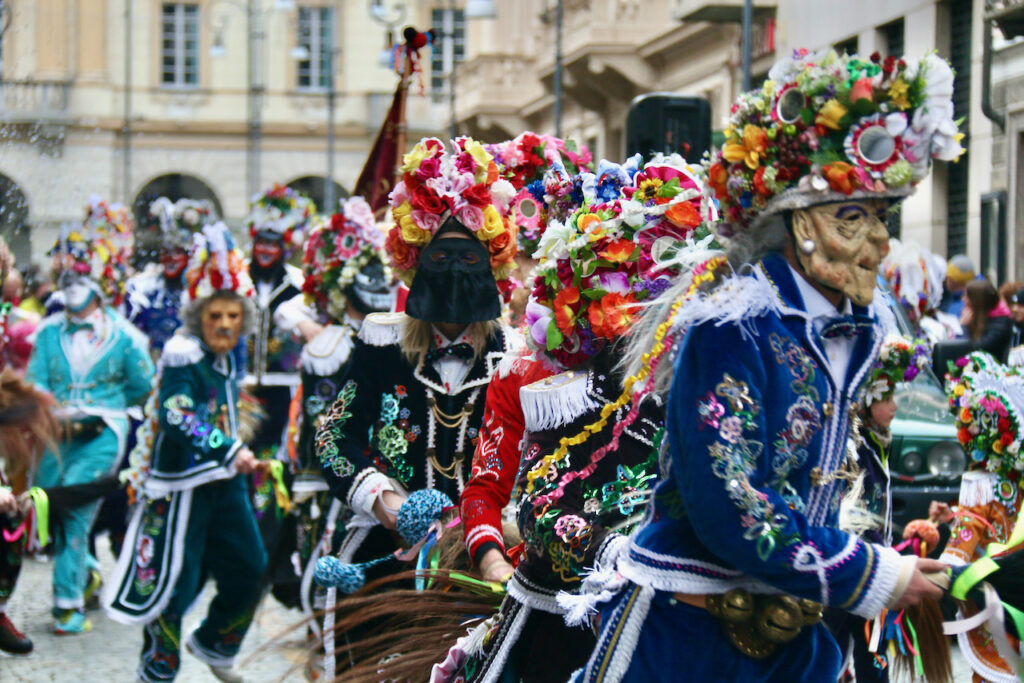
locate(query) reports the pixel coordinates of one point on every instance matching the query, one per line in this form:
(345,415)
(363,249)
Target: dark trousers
(222,542)
(10,557)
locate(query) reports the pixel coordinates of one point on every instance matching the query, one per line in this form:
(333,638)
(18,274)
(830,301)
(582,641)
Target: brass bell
(747,640)
(780,619)
(737,606)
(811,611)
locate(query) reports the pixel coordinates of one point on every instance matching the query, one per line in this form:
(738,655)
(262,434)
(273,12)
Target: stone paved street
(109,654)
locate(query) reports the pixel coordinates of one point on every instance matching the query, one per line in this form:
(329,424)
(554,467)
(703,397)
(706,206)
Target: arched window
(174,186)
(14,220)
(314,186)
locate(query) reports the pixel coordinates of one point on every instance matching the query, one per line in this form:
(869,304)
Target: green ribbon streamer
(280,490)
(41,503)
(492,586)
(918,666)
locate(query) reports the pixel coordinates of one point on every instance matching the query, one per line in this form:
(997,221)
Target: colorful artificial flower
(338,247)
(610,256)
(283,211)
(100,247)
(826,127)
(215,263)
(178,221)
(900,359)
(464,183)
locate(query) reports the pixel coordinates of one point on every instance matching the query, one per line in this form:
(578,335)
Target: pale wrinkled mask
(849,242)
(222,324)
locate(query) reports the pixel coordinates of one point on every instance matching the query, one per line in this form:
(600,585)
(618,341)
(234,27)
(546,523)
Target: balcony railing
(730,11)
(34,101)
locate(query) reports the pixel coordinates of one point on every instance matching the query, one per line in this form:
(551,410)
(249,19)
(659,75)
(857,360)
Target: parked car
(926,461)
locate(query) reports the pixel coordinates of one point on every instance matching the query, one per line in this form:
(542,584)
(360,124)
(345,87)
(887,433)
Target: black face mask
(454,282)
(370,291)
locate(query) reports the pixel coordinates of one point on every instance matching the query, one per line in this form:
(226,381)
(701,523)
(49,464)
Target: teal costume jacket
(197,408)
(119,377)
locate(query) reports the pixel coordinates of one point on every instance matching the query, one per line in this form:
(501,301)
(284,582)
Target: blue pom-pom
(421,509)
(330,572)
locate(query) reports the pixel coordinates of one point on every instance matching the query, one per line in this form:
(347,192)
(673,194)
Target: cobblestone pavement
(110,652)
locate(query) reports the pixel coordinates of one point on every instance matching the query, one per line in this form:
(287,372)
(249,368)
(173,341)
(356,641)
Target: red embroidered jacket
(497,455)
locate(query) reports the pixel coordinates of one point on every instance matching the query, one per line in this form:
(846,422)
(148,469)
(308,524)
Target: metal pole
(330,200)
(449,35)
(126,159)
(255,88)
(558,69)
(748,29)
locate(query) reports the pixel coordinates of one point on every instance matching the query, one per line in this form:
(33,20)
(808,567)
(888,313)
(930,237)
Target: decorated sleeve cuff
(483,549)
(907,565)
(884,570)
(484,533)
(366,487)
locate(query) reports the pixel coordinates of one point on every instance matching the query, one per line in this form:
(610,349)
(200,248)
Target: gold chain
(446,472)
(450,421)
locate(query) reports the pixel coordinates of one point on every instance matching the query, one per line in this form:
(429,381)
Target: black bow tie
(848,326)
(463,350)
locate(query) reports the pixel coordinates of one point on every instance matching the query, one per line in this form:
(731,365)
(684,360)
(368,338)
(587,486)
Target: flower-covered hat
(826,128)
(215,263)
(463,183)
(989,421)
(900,359)
(338,247)
(179,220)
(607,258)
(528,162)
(280,213)
(99,249)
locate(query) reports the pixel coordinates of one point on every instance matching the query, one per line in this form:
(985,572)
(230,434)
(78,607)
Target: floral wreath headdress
(900,359)
(608,258)
(989,420)
(178,221)
(280,211)
(464,184)
(99,248)
(527,161)
(915,275)
(337,248)
(827,128)
(215,262)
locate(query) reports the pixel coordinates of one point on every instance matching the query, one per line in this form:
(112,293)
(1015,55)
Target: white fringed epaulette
(181,350)
(555,401)
(515,363)
(735,300)
(328,351)
(382,329)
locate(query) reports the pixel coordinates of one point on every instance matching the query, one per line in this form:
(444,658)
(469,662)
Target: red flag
(377,178)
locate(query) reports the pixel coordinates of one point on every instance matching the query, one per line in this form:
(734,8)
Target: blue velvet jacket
(757,429)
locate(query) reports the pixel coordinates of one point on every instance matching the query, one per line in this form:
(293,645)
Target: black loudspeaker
(667,123)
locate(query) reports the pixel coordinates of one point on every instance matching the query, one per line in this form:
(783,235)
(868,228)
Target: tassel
(977,488)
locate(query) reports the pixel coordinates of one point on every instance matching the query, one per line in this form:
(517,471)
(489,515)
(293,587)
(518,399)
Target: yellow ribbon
(280,490)
(41,504)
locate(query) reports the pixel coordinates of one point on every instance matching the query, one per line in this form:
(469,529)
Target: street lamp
(557,79)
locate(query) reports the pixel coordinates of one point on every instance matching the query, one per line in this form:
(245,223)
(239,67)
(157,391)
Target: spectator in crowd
(1016,303)
(13,287)
(959,271)
(986,319)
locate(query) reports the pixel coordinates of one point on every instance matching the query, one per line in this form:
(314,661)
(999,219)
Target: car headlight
(912,462)
(946,458)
